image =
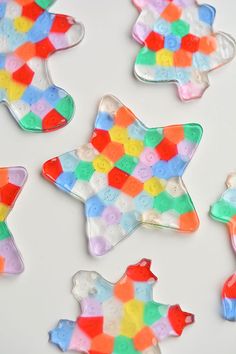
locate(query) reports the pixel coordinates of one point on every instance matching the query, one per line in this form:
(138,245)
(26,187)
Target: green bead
(44,3)
(4,232)
(183,204)
(193,132)
(146,57)
(124,345)
(84,170)
(127,163)
(154,312)
(66,107)
(180,28)
(153,137)
(163,202)
(31,122)
(223,211)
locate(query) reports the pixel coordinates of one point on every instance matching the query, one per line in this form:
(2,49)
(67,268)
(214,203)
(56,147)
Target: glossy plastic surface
(179,44)
(119,318)
(12,180)
(128,175)
(29,34)
(224,210)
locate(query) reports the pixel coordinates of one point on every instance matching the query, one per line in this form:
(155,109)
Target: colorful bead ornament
(224,210)
(12,180)
(29,34)
(128,175)
(179,44)
(119,318)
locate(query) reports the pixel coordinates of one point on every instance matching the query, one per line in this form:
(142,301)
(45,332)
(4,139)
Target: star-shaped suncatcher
(12,180)
(179,44)
(128,175)
(224,210)
(119,318)
(29,34)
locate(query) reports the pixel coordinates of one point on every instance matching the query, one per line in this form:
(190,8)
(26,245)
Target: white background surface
(49,226)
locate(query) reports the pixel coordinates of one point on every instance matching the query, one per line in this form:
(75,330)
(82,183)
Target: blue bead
(172,42)
(201,62)
(41,27)
(229,309)
(230,196)
(207,14)
(2,9)
(143,291)
(129,222)
(183,75)
(62,334)
(69,162)
(108,195)
(165,74)
(66,181)
(52,95)
(104,121)
(104,290)
(162,27)
(143,202)
(136,131)
(161,170)
(2,94)
(94,207)
(177,166)
(2,61)
(32,94)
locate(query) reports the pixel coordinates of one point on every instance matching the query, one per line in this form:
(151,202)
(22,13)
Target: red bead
(166,149)
(53,120)
(229,289)
(190,43)
(44,48)
(52,169)
(141,271)
(32,11)
(8,194)
(154,41)
(179,319)
(61,24)
(100,139)
(117,178)
(92,326)
(24,75)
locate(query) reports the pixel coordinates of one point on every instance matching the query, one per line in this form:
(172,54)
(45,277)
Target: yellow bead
(102,164)
(15,91)
(4,210)
(153,186)
(132,321)
(134,147)
(165,57)
(118,134)
(23,24)
(4,79)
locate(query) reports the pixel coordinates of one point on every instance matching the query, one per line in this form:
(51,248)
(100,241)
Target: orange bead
(189,222)
(4,177)
(144,339)
(124,117)
(114,151)
(132,186)
(207,44)
(26,51)
(182,58)
(171,13)
(2,264)
(103,343)
(124,289)
(175,133)
(24,2)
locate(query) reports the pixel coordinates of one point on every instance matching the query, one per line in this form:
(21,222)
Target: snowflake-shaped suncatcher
(224,210)
(119,318)
(29,34)
(179,44)
(12,180)
(128,175)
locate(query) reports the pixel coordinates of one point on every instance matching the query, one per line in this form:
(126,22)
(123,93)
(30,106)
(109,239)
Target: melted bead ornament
(179,44)
(29,34)
(128,175)
(12,180)
(224,210)
(119,318)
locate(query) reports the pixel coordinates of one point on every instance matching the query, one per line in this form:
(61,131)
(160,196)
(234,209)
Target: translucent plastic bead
(12,180)
(119,318)
(127,175)
(29,34)
(179,44)
(224,211)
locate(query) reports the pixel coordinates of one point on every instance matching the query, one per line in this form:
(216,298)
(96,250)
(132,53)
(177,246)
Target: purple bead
(99,246)
(111,215)
(13,262)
